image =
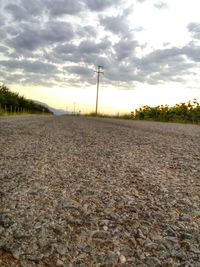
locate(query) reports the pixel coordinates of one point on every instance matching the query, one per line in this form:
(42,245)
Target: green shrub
(183,112)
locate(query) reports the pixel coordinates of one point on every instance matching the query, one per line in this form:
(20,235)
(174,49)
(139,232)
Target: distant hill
(54,110)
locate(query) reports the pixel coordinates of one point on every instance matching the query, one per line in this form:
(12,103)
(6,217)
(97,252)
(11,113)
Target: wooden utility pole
(74,107)
(98,71)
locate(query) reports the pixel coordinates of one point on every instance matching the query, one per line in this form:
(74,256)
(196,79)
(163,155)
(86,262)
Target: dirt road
(81,191)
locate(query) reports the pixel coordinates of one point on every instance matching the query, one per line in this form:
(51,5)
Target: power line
(98,71)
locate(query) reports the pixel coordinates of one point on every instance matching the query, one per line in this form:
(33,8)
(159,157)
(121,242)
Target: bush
(183,112)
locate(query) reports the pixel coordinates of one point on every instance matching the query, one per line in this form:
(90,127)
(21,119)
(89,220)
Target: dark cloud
(3,49)
(89,32)
(2,26)
(118,24)
(33,8)
(192,52)
(31,37)
(194,28)
(65,49)
(57,31)
(125,49)
(11,31)
(18,12)
(87,51)
(3,34)
(2,19)
(42,80)
(90,47)
(63,7)
(26,10)
(29,66)
(122,73)
(160,66)
(15,78)
(79,70)
(23,10)
(100,5)
(114,24)
(161,56)
(166,65)
(28,38)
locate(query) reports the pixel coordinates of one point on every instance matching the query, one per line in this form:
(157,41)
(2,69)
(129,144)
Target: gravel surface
(81,191)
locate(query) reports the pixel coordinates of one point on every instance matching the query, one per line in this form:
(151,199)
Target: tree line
(11,102)
(184,112)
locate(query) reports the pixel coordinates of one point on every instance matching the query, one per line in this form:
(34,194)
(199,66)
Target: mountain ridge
(55,111)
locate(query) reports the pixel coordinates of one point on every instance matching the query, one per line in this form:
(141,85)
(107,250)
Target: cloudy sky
(150,51)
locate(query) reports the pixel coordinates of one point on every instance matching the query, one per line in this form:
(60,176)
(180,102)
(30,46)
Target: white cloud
(130,41)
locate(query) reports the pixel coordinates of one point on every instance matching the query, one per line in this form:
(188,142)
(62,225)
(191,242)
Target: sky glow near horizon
(150,50)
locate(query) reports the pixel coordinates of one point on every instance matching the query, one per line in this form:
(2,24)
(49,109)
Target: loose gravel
(81,191)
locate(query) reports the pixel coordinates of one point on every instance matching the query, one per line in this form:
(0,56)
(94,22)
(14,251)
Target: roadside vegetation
(12,103)
(184,113)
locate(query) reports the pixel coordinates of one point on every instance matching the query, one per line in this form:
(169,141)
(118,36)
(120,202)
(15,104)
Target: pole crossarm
(99,70)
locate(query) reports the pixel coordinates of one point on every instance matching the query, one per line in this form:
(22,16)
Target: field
(79,191)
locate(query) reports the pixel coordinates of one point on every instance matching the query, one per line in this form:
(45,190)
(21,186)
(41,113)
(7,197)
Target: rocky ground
(98,192)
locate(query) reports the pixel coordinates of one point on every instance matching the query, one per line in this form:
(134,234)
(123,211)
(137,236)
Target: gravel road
(81,191)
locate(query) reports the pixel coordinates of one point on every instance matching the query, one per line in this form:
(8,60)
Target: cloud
(90,47)
(100,5)
(79,70)
(2,18)
(121,63)
(57,31)
(157,67)
(161,5)
(125,49)
(166,65)
(18,12)
(118,24)
(161,56)
(2,34)
(63,7)
(33,8)
(122,73)
(192,52)
(26,10)
(89,32)
(29,66)
(2,26)
(87,51)
(15,78)
(34,36)
(42,37)
(28,38)
(3,49)
(115,25)
(194,28)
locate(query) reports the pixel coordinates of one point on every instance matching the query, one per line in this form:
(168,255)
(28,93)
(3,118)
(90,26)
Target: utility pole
(74,107)
(98,71)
